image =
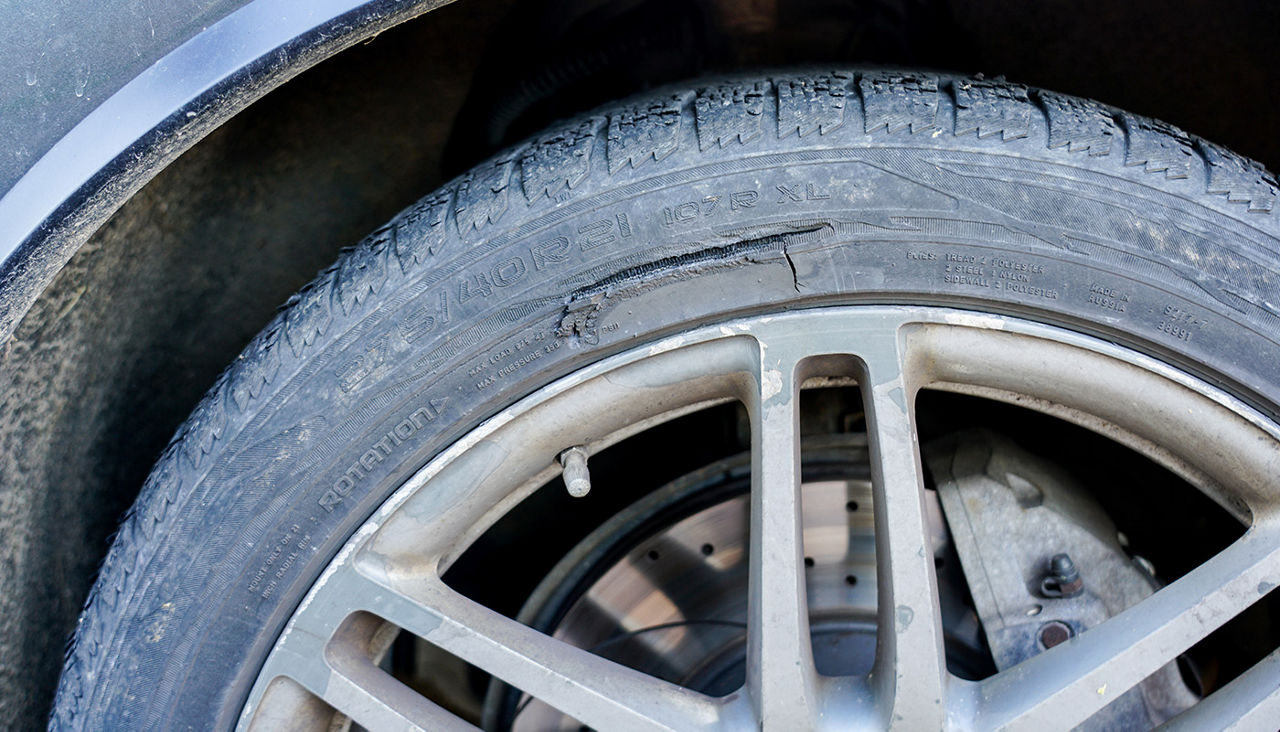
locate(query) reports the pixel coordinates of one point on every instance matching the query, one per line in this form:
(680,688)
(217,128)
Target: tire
(643,219)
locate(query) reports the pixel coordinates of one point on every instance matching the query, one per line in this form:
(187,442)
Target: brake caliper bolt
(1055,632)
(1063,579)
(577,478)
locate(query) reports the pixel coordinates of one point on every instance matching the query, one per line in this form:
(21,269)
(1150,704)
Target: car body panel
(93,159)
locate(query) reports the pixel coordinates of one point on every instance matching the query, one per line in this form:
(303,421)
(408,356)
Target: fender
(105,155)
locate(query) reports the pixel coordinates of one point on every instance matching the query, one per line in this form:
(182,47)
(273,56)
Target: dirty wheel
(808,401)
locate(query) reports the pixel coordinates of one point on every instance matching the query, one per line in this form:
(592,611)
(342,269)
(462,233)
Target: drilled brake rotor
(663,586)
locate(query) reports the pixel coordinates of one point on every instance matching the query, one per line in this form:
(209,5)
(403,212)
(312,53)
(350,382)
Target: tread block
(814,103)
(1241,179)
(64,716)
(899,101)
(420,232)
(482,196)
(650,130)
(162,486)
(307,314)
(1079,124)
(1158,146)
(364,269)
(559,160)
(992,107)
(254,368)
(724,112)
(205,424)
(110,594)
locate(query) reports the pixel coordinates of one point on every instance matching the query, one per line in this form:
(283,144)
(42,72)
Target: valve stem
(577,478)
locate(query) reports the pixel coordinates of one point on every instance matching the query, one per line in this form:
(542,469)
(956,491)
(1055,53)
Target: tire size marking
(554,250)
(717,203)
(548,252)
(363,364)
(419,321)
(688,211)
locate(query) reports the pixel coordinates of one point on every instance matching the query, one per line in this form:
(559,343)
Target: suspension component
(1063,579)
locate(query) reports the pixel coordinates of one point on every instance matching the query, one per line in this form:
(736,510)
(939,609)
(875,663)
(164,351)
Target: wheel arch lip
(114,150)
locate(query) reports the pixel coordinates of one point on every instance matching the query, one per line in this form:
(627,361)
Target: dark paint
(93,160)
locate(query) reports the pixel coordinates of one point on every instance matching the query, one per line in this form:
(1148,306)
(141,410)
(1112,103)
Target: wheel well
(120,347)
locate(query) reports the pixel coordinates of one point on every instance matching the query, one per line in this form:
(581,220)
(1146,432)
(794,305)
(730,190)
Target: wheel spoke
(910,674)
(781,677)
(376,700)
(1065,685)
(348,681)
(591,689)
(1251,701)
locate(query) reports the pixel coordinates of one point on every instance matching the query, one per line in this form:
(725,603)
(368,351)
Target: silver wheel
(388,576)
